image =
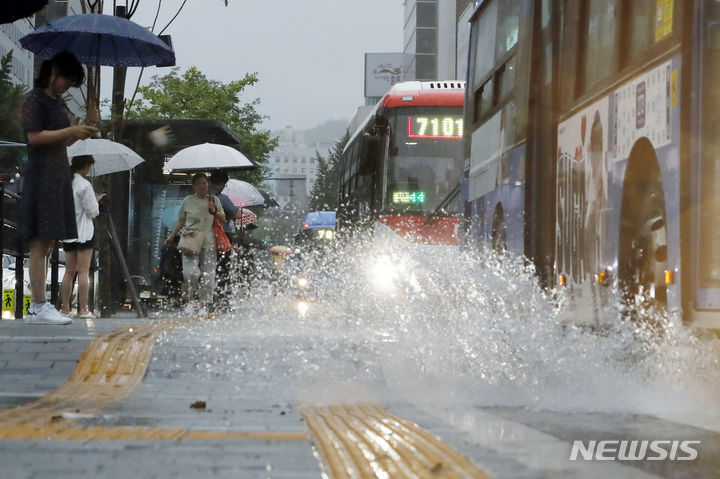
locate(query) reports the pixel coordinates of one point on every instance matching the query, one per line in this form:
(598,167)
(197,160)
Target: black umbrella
(13,10)
(269,201)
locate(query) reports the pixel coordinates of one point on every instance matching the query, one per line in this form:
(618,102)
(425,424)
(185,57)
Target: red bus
(401,168)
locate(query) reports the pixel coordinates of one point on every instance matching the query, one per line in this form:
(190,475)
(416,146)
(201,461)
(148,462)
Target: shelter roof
(180,133)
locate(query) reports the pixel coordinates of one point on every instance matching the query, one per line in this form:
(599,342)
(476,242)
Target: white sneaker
(46,314)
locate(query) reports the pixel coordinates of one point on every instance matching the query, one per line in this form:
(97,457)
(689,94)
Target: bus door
(707,176)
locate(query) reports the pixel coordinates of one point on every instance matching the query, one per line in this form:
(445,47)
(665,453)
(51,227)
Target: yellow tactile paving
(365,441)
(356,441)
(110,369)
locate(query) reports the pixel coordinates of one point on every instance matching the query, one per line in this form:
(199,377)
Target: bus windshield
(424,164)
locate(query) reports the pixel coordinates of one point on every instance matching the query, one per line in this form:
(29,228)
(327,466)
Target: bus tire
(643,247)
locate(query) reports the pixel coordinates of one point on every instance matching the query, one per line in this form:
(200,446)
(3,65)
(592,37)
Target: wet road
(450,368)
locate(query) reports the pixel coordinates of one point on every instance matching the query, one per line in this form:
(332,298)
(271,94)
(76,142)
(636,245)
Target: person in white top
(78,251)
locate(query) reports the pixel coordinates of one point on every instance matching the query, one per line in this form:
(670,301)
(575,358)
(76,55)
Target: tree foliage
(11,101)
(194,96)
(324,195)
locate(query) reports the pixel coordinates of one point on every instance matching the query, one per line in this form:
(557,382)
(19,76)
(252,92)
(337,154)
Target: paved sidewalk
(37,359)
(162,403)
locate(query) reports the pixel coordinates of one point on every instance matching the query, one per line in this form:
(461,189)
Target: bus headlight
(383,274)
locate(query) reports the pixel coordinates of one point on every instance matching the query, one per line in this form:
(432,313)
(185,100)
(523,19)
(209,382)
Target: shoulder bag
(191,242)
(222,243)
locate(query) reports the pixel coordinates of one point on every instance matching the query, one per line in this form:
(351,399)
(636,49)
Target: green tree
(11,101)
(193,96)
(324,194)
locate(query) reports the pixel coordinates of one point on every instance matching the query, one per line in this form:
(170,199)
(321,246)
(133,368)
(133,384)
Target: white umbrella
(209,156)
(110,156)
(242,193)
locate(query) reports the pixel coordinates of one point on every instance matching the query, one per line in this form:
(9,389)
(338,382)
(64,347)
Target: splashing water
(445,326)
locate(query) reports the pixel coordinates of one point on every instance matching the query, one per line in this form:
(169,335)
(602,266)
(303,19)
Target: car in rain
(318,227)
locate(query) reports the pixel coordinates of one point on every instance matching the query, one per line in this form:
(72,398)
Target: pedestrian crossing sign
(8,300)
(8,304)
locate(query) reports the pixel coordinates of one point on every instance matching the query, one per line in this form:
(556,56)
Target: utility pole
(118,103)
(118,91)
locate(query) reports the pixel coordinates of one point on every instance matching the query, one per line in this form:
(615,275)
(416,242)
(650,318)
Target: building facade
(430,39)
(22,60)
(293,167)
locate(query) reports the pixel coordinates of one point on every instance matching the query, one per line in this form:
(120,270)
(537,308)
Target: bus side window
(600,40)
(353,159)
(485,44)
(641,27)
(508,27)
(504,80)
(709,254)
(369,155)
(483,100)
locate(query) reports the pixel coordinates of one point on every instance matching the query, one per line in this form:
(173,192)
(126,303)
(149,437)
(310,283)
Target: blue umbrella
(97,39)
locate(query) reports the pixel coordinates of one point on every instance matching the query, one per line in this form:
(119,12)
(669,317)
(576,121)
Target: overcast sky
(309,54)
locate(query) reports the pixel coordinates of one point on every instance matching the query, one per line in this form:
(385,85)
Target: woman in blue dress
(48,211)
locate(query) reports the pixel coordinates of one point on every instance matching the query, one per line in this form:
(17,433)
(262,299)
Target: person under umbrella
(218,179)
(78,251)
(96,39)
(47,206)
(196,216)
(110,156)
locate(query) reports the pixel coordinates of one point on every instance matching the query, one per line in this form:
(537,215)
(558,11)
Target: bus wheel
(646,255)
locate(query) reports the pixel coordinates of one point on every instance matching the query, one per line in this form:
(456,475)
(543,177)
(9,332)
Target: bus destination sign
(435,127)
(409,197)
